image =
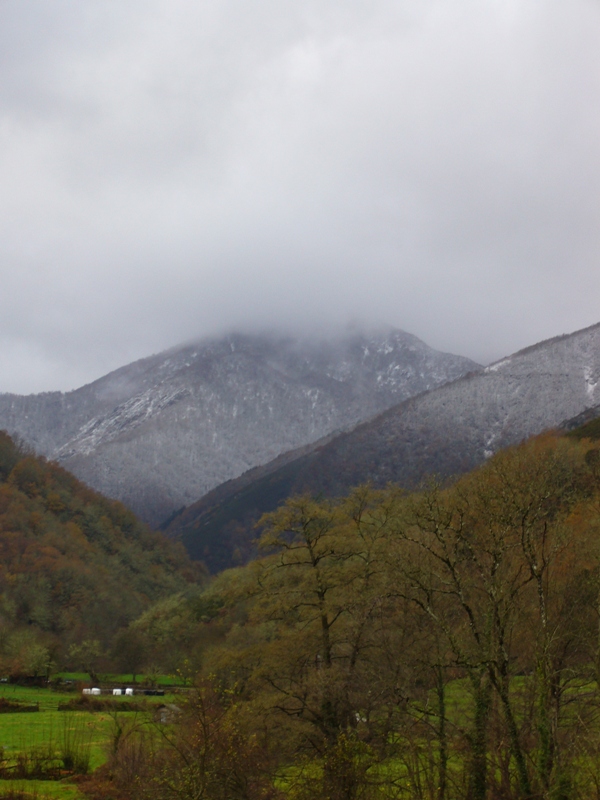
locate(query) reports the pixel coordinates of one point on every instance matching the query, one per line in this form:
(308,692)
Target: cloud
(175,169)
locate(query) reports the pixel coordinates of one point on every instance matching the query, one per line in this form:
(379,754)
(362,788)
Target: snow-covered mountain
(444,432)
(161,432)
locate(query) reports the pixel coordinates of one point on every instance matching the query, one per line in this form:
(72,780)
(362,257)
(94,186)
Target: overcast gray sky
(171,169)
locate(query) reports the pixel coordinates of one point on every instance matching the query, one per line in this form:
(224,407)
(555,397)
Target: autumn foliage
(74,566)
(436,645)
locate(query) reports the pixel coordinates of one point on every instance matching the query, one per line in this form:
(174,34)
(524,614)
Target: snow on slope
(161,432)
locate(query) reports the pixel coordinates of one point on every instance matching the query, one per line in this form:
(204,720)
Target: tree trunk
(501,684)
(442,736)
(546,750)
(478,768)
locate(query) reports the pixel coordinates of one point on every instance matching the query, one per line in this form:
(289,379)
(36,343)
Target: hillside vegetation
(441,644)
(75,568)
(435,645)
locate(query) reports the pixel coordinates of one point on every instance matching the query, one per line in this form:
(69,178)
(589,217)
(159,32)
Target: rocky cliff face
(443,432)
(161,432)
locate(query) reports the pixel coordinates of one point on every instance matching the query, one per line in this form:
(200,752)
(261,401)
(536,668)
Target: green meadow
(128,679)
(51,744)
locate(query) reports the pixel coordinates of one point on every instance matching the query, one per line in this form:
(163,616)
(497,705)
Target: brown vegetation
(440,645)
(75,568)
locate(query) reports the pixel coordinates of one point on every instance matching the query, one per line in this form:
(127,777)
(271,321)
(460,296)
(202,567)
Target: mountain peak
(444,432)
(160,432)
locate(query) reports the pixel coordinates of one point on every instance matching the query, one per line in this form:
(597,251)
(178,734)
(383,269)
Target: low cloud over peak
(173,170)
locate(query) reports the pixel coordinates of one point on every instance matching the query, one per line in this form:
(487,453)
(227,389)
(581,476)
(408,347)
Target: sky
(176,169)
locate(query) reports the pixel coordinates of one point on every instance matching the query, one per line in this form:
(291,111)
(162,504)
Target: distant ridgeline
(161,432)
(443,432)
(585,425)
(74,566)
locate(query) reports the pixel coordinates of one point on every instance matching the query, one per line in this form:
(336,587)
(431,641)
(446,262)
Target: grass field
(43,737)
(140,680)
(39,790)
(45,734)
(23,732)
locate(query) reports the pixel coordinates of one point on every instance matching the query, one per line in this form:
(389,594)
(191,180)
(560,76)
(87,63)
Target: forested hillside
(74,566)
(441,644)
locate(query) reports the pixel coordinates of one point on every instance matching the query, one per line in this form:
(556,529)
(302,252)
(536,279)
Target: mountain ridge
(444,431)
(160,432)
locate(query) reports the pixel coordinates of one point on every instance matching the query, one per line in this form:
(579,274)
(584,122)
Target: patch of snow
(495,367)
(590,383)
(124,417)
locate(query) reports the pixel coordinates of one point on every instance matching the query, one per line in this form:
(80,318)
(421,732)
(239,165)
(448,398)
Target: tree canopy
(440,644)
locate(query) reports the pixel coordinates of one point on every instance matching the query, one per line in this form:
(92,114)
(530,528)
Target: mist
(176,170)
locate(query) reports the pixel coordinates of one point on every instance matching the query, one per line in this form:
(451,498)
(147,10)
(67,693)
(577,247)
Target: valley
(407,607)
